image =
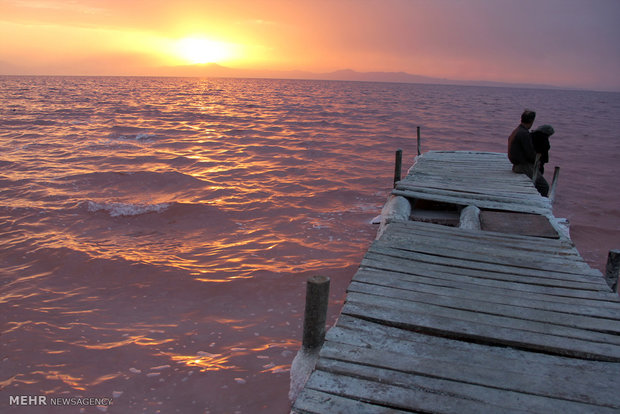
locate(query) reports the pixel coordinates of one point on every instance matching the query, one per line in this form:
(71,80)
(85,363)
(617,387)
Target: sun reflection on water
(204,361)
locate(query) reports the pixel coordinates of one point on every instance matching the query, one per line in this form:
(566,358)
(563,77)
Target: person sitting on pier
(522,154)
(540,141)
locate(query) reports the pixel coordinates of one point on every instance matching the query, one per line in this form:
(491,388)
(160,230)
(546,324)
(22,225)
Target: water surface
(156,234)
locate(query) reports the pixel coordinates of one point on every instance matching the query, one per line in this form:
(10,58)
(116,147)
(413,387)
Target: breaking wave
(126,209)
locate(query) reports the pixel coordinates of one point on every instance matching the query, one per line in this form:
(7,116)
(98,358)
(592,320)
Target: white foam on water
(126,209)
(207,354)
(143,136)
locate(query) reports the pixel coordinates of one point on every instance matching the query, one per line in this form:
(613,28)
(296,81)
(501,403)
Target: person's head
(546,130)
(527,118)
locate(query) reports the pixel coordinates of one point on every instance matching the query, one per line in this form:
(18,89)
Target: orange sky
(570,43)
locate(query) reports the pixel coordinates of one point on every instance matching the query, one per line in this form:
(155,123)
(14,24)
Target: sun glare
(199,50)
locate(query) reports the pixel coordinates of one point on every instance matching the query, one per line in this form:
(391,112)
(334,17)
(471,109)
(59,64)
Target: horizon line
(374,77)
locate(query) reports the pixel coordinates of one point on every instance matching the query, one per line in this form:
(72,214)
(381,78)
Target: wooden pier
(444,319)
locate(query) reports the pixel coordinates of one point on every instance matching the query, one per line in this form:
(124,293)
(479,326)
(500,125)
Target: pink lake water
(156,234)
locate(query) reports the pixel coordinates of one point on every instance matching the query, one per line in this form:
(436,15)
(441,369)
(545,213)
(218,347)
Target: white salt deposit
(301,368)
(376,220)
(563,226)
(396,208)
(470,218)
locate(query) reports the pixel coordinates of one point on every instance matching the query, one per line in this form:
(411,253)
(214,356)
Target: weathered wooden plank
(459,169)
(494,295)
(372,335)
(398,395)
(453,396)
(491,258)
(406,235)
(499,186)
(456,170)
(470,193)
(493,174)
(451,179)
(395,238)
(541,380)
(469,250)
(484,239)
(486,307)
(481,203)
(412,229)
(450,282)
(476,160)
(448,275)
(459,232)
(479,248)
(311,401)
(480,328)
(494,275)
(453,174)
(460,311)
(498,180)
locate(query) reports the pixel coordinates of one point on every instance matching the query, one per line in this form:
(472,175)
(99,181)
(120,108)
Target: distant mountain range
(215,70)
(219,71)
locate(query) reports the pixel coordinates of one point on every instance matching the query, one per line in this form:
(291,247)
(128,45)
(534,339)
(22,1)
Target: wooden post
(536,168)
(315,316)
(612,269)
(398,166)
(554,183)
(418,140)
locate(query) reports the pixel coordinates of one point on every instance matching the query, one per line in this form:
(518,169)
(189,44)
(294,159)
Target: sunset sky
(571,43)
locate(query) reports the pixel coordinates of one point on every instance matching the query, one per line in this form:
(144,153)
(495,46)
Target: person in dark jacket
(540,141)
(522,154)
(520,149)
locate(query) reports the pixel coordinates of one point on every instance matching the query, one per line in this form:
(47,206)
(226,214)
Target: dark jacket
(540,142)
(520,148)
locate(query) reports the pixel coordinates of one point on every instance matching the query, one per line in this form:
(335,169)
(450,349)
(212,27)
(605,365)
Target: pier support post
(418,140)
(315,316)
(398,166)
(612,269)
(554,183)
(536,168)
(317,297)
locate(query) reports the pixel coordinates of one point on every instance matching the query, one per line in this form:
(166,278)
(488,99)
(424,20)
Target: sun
(200,50)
